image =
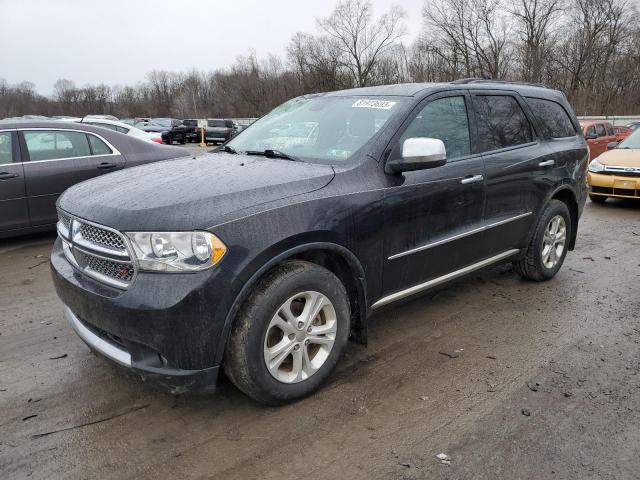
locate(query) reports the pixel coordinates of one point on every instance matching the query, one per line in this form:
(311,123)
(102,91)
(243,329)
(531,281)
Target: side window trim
(25,158)
(525,110)
(393,144)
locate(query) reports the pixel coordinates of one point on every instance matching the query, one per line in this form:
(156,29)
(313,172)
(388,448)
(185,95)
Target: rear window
(216,123)
(553,118)
(190,123)
(501,122)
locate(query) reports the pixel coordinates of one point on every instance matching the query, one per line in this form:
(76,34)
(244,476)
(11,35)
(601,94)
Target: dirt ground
(510,379)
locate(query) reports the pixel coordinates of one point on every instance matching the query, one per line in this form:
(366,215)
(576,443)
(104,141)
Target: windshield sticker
(339,153)
(380,104)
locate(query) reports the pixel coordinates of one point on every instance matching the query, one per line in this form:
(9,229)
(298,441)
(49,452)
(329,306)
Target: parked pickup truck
(192,130)
(219,130)
(264,260)
(171,129)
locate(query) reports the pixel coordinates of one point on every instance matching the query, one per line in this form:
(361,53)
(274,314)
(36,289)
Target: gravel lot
(510,379)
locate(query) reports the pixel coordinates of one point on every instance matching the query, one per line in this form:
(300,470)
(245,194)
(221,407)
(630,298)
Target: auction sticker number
(380,104)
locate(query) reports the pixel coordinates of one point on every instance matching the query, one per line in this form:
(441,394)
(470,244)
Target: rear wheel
(597,198)
(289,334)
(548,246)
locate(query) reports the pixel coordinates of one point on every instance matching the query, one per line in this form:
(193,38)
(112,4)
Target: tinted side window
(553,118)
(52,145)
(6,148)
(501,122)
(591,131)
(610,129)
(98,147)
(600,130)
(446,119)
(121,129)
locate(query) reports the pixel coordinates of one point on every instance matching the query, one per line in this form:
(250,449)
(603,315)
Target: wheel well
(339,266)
(568,198)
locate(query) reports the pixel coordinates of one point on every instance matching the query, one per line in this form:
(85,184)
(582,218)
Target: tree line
(589,49)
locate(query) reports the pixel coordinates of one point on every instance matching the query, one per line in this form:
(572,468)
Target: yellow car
(616,172)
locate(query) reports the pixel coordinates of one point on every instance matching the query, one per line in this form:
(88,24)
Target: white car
(123,128)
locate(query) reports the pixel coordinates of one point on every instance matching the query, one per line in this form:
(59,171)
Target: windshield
(632,141)
(319,128)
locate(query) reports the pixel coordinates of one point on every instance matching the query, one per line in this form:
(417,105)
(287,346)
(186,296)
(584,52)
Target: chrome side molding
(460,235)
(100,345)
(444,278)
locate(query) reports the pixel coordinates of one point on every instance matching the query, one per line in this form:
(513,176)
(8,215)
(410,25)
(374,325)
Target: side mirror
(418,154)
(612,145)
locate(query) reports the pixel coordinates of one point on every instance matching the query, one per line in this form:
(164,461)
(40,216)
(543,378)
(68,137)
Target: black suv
(264,262)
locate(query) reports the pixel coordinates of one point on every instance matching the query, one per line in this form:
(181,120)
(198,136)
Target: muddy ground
(545,384)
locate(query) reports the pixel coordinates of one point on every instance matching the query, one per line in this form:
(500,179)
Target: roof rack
(489,80)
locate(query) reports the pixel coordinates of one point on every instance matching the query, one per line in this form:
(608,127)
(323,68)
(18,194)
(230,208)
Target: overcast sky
(119,41)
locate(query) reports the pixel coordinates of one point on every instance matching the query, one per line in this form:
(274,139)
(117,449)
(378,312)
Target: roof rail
(488,80)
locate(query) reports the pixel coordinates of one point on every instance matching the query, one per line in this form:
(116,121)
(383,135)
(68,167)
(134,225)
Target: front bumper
(167,328)
(607,185)
(174,380)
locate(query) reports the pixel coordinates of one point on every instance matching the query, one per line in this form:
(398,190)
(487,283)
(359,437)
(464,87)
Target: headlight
(176,251)
(595,166)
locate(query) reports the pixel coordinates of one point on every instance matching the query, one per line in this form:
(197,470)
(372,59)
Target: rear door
(55,159)
(514,158)
(14,212)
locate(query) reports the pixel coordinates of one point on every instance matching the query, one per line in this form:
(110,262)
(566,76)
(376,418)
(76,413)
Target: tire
(169,140)
(183,140)
(254,335)
(597,198)
(533,265)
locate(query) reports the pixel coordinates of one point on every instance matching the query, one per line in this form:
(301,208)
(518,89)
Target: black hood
(189,193)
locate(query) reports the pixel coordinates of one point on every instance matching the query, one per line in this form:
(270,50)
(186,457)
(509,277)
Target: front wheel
(289,334)
(548,246)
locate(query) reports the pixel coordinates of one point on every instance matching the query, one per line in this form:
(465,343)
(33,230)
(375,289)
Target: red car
(598,135)
(622,133)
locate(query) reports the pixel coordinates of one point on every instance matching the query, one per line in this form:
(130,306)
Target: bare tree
(536,22)
(360,40)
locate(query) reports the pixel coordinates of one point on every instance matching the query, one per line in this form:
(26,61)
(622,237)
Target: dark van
(265,258)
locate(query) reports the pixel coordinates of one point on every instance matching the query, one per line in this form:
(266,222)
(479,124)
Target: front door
(58,159)
(14,213)
(433,217)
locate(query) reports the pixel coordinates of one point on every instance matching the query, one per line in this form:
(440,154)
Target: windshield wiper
(270,153)
(228,149)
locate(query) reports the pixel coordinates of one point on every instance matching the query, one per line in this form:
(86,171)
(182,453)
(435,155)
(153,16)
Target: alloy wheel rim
(300,337)
(553,242)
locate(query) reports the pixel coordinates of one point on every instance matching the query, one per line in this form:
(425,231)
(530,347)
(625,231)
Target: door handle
(547,163)
(8,176)
(105,165)
(471,179)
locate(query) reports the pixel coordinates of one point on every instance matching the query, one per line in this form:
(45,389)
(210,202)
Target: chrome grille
(121,271)
(101,237)
(98,252)
(65,220)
